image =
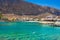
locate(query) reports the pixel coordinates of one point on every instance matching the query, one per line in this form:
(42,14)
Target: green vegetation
(13,19)
(1,15)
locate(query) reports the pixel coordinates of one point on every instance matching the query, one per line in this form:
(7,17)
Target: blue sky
(50,3)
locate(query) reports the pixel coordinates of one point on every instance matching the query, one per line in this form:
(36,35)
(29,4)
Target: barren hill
(24,8)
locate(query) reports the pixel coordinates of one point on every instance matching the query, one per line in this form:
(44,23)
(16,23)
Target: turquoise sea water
(28,31)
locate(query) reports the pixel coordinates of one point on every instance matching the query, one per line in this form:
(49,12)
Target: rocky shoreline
(47,19)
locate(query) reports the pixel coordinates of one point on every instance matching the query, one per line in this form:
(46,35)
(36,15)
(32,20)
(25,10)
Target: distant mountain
(24,8)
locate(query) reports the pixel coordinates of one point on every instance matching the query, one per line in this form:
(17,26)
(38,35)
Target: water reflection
(7,23)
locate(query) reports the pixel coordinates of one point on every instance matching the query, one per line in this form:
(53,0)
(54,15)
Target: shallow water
(28,31)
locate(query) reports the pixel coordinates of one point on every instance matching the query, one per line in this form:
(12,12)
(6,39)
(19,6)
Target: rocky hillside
(24,8)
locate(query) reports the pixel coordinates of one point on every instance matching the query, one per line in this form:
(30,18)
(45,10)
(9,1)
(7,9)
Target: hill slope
(24,8)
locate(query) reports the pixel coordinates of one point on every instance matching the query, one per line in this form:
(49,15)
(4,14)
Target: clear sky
(50,3)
